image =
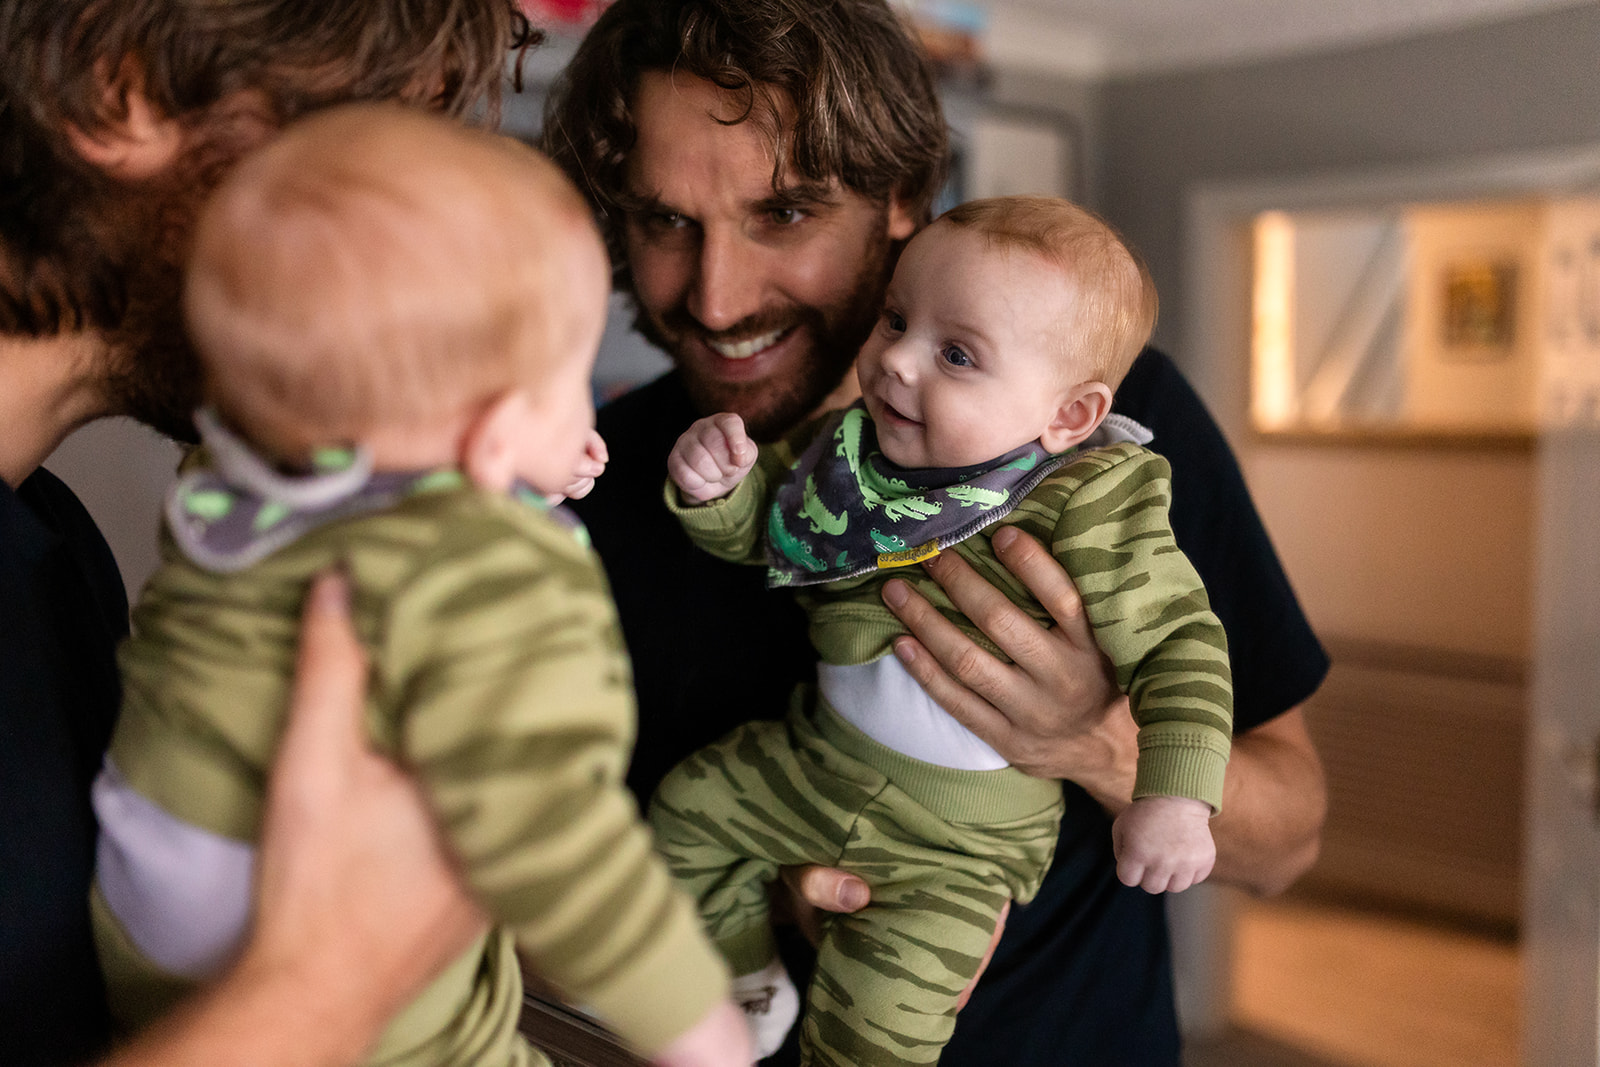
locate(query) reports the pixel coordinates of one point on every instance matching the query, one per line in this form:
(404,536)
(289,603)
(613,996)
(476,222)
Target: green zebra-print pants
(942,849)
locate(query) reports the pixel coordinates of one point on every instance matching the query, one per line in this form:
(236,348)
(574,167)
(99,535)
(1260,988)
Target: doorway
(1424,560)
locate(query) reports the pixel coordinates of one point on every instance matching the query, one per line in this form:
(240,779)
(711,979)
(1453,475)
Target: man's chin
(770,407)
(158,388)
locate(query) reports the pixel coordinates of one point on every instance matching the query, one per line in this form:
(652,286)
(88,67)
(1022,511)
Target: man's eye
(786,216)
(661,221)
(954,356)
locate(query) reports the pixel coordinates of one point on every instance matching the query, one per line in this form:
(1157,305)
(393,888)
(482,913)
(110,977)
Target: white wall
(1430,548)
(1421,546)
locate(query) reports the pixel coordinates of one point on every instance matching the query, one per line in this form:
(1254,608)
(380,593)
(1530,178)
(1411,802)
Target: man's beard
(771,406)
(151,372)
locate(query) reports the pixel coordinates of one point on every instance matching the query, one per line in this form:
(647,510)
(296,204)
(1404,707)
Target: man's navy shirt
(62,612)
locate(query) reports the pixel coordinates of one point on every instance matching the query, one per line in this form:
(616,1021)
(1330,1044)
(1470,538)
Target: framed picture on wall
(1479,302)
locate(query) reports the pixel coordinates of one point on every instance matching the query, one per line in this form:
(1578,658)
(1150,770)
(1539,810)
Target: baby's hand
(719,1039)
(589,467)
(711,458)
(1164,843)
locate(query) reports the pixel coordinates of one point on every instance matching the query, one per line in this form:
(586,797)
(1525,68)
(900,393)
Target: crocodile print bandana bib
(237,509)
(844,510)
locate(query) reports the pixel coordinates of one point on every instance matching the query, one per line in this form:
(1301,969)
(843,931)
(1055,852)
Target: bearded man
(756,165)
(115,119)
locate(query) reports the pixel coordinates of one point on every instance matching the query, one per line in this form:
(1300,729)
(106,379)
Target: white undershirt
(182,894)
(886,703)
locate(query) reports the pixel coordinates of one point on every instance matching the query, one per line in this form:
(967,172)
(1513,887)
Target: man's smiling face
(762,296)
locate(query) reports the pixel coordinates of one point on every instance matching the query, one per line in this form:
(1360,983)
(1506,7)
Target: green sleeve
(733,527)
(504,657)
(1152,617)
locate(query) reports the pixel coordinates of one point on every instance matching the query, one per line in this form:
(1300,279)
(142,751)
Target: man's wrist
(333,1014)
(258,1015)
(1110,758)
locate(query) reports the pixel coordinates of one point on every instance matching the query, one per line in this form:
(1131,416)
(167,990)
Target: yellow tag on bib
(907,557)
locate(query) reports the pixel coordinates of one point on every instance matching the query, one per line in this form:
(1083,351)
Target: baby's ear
(1082,409)
(489,444)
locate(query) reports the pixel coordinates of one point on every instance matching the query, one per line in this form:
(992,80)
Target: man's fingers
(1016,633)
(330,675)
(965,706)
(1045,578)
(952,670)
(828,888)
(956,653)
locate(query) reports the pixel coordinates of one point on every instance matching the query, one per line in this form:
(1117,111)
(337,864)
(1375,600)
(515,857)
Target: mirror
(1473,318)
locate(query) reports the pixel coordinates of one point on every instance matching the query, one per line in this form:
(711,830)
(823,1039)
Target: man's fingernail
(1004,537)
(903,651)
(894,593)
(853,895)
(331,591)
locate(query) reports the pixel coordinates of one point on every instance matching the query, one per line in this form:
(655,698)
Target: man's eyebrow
(800,195)
(633,202)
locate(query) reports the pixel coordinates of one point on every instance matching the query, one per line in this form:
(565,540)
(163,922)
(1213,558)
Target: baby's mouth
(750,346)
(895,415)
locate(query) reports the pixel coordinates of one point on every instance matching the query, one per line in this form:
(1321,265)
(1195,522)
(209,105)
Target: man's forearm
(256,1017)
(1274,800)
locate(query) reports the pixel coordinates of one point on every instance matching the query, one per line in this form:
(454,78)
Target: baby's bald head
(377,266)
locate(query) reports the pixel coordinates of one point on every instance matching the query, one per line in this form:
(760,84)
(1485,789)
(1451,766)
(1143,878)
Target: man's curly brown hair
(862,91)
(191,55)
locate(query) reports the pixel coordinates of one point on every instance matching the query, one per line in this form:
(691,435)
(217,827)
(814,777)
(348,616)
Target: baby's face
(555,429)
(556,423)
(964,364)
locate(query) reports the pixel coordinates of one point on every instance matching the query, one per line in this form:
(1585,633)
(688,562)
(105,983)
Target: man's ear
(902,223)
(489,444)
(1082,409)
(143,142)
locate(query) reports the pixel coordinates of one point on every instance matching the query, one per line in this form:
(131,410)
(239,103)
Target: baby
(397,318)
(986,390)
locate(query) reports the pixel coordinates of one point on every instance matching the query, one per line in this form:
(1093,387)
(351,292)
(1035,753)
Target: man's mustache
(679,323)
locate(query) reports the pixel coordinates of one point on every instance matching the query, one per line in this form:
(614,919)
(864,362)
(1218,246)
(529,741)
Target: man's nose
(733,274)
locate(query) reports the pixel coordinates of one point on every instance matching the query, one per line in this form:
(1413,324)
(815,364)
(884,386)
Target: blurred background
(1375,227)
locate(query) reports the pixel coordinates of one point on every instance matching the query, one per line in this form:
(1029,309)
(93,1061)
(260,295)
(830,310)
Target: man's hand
(711,458)
(590,466)
(805,893)
(1054,711)
(1164,843)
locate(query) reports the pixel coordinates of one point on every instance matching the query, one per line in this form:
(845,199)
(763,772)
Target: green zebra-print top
(499,679)
(1104,517)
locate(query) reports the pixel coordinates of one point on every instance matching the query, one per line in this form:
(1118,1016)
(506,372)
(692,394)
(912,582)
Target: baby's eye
(894,322)
(955,356)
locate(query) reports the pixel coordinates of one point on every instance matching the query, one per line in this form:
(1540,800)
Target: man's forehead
(695,138)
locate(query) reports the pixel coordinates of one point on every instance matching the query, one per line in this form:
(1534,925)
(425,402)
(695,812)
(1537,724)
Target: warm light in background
(1274,398)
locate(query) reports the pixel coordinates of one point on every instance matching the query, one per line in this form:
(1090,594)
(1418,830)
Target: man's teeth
(747,348)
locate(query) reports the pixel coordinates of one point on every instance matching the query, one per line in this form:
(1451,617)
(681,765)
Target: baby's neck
(411,448)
